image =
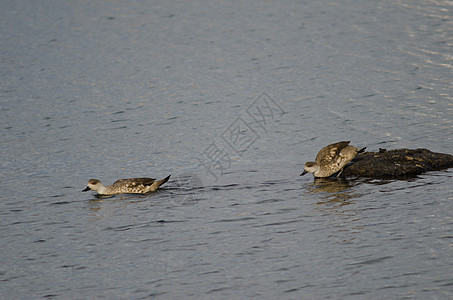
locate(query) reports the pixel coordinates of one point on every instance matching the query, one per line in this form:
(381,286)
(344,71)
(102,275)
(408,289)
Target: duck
(332,159)
(126,186)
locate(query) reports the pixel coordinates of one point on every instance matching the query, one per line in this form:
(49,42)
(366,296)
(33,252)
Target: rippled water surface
(231,99)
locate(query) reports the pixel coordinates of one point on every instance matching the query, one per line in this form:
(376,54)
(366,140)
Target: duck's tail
(156,184)
(361,150)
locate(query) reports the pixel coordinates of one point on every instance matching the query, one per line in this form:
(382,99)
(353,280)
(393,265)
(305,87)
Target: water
(231,99)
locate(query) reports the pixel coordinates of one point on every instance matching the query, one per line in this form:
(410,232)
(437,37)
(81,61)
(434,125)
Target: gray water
(231,98)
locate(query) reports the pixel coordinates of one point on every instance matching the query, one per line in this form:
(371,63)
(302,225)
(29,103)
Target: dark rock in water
(396,164)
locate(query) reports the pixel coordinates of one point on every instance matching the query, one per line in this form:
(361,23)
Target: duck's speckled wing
(328,153)
(133,182)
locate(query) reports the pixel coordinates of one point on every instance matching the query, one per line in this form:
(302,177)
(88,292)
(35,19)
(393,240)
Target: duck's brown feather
(328,153)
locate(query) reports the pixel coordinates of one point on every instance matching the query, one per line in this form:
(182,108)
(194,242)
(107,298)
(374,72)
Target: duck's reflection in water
(102,206)
(336,209)
(334,191)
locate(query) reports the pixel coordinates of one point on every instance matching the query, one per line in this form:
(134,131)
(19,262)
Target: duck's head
(94,185)
(309,167)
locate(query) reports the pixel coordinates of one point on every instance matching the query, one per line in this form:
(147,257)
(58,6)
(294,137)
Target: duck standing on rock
(332,159)
(126,186)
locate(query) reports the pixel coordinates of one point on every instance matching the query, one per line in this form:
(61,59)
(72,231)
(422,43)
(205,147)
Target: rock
(397,164)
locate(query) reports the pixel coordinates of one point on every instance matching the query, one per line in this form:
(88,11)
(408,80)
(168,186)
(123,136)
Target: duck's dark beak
(86,189)
(303,173)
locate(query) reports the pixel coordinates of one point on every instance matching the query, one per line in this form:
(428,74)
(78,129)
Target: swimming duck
(332,159)
(126,186)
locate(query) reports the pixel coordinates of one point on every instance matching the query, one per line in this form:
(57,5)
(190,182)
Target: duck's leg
(339,173)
